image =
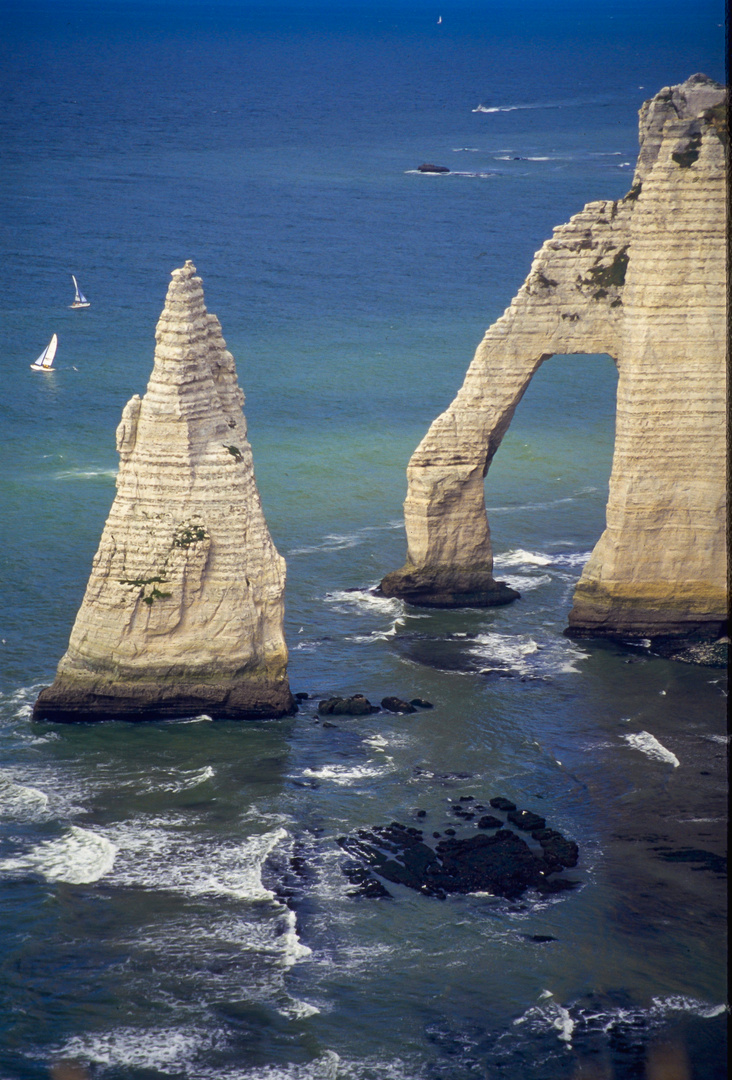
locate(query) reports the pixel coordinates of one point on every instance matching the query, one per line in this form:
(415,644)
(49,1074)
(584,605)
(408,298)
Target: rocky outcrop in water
(643,279)
(501,863)
(184,607)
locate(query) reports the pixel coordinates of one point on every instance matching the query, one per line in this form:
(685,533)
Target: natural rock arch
(642,279)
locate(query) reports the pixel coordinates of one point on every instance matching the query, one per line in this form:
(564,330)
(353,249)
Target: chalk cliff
(184,607)
(644,280)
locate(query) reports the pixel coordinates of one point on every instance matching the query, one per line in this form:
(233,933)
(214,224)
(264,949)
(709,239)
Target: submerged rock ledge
(184,607)
(642,279)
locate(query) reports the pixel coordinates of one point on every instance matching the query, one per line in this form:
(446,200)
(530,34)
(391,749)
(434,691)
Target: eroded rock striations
(644,280)
(184,607)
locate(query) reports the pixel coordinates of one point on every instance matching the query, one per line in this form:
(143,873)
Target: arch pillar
(643,279)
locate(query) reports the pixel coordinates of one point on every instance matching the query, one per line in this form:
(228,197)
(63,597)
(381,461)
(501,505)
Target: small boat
(79,300)
(45,360)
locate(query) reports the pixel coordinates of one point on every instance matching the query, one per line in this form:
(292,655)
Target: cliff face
(184,607)
(642,279)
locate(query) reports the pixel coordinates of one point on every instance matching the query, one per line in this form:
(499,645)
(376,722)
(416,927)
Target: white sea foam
(680,1003)
(157,853)
(79,857)
(566,1021)
(20,801)
(521,654)
(519,557)
(142,1048)
(86,474)
(531,506)
(525,583)
(364,601)
(377,741)
(475,175)
(188,778)
(331,542)
(551,1014)
(328,1066)
(649,744)
(378,635)
(348,775)
(575,558)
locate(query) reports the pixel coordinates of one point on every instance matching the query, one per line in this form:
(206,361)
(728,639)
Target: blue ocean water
(144,870)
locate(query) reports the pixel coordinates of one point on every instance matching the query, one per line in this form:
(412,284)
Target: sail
(79,299)
(50,351)
(45,360)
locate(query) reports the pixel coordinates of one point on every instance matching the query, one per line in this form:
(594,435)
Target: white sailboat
(79,299)
(45,360)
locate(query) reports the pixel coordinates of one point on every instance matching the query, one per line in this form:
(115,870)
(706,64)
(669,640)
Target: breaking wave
(649,744)
(79,857)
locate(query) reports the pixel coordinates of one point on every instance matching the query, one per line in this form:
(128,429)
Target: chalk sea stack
(644,280)
(183,610)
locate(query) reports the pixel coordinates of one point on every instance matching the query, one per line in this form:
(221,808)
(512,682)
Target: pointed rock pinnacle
(184,606)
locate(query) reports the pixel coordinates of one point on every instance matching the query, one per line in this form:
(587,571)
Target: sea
(173,901)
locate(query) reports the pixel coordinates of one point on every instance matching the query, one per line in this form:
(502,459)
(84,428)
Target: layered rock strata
(644,280)
(183,610)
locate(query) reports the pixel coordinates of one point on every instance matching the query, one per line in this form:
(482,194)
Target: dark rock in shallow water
(502,864)
(433,168)
(525,820)
(502,804)
(421,703)
(558,852)
(396,705)
(301,696)
(357,705)
(489,822)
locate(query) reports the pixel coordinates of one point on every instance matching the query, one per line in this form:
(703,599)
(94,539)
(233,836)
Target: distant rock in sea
(183,610)
(432,168)
(644,280)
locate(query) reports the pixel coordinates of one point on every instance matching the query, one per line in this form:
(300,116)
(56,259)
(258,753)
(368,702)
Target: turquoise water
(145,872)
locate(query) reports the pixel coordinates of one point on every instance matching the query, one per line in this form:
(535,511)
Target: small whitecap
(186,779)
(649,744)
(520,557)
(331,542)
(681,1003)
(86,474)
(346,775)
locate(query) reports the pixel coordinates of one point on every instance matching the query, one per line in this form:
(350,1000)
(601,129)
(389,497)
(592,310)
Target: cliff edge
(184,606)
(644,280)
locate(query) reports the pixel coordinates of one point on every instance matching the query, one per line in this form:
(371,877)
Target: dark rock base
(64,705)
(705,645)
(447,587)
